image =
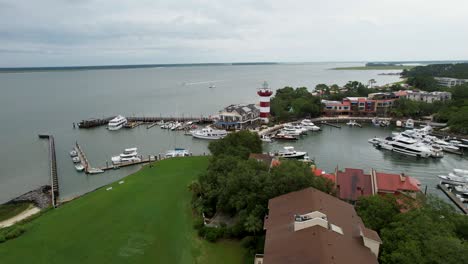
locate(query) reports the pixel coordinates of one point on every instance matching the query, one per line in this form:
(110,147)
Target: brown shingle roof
(262,157)
(314,244)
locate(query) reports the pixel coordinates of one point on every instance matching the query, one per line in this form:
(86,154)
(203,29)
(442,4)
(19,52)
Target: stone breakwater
(41,197)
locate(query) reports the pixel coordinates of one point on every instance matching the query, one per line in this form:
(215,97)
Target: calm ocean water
(49,102)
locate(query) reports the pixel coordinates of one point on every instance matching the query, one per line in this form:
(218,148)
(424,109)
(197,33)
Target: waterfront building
(358,106)
(351,184)
(238,116)
(428,97)
(265,93)
(450,82)
(310,226)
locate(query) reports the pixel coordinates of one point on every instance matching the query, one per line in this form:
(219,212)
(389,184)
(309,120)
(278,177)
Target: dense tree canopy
(241,187)
(239,144)
(431,233)
(291,103)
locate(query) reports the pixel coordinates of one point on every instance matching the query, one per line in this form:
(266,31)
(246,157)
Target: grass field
(360,68)
(145,220)
(7,211)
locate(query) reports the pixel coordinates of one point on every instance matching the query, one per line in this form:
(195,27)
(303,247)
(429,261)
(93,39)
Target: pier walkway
(53,169)
(454,199)
(95,122)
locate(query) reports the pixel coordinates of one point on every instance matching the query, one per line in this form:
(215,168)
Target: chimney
(402,177)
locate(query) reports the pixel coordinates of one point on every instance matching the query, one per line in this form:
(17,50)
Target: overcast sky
(97,32)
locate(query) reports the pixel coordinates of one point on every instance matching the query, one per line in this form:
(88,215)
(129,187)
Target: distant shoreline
(389,67)
(119,67)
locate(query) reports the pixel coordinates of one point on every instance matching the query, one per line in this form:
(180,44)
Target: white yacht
(209,133)
(76,160)
(307,124)
(73,153)
(409,123)
(294,129)
(290,152)
(129,155)
(461,172)
(177,152)
(408,146)
(453,179)
(117,123)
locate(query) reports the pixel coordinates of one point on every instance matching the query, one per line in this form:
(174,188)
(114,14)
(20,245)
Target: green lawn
(358,68)
(145,220)
(7,211)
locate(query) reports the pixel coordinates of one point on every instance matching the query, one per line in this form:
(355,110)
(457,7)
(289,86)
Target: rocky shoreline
(40,197)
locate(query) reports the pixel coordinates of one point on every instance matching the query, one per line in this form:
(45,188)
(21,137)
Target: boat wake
(203,82)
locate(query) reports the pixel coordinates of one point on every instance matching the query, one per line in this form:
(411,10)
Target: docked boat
(73,153)
(285,136)
(462,190)
(128,155)
(374,140)
(399,123)
(353,123)
(291,153)
(384,123)
(461,172)
(309,125)
(375,121)
(76,160)
(177,152)
(453,179)
(409,123)
(294,129)
(79,167)
(407,146)
(117,123)
(209,133)
(265,138)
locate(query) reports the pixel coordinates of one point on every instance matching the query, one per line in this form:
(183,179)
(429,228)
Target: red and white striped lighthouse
(264,94)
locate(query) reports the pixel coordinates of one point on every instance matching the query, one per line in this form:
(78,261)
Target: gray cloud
(71,32)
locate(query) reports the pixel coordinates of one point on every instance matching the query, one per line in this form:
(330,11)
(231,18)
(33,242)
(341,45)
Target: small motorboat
(384,123)
(409,123)
(265,138)
(374,140)
(76,159)
(399,123)
(73,153)
(79,167)
(353,123)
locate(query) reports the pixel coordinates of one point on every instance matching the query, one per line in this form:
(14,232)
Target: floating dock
(82,156)
(53,169)
(151,125)
(126,164)
(454,199)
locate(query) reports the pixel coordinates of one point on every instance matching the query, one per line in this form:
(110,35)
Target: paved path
(23,215)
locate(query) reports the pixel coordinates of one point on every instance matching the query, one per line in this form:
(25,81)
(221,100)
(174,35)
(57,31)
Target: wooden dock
(151,125)
(330,124)
(53,169)
(95,122)
(126,164)
(454,199)
(82,156)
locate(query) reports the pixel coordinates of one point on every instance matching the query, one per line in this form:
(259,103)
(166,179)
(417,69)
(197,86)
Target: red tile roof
(315,244)
(388,182)
(353,183)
